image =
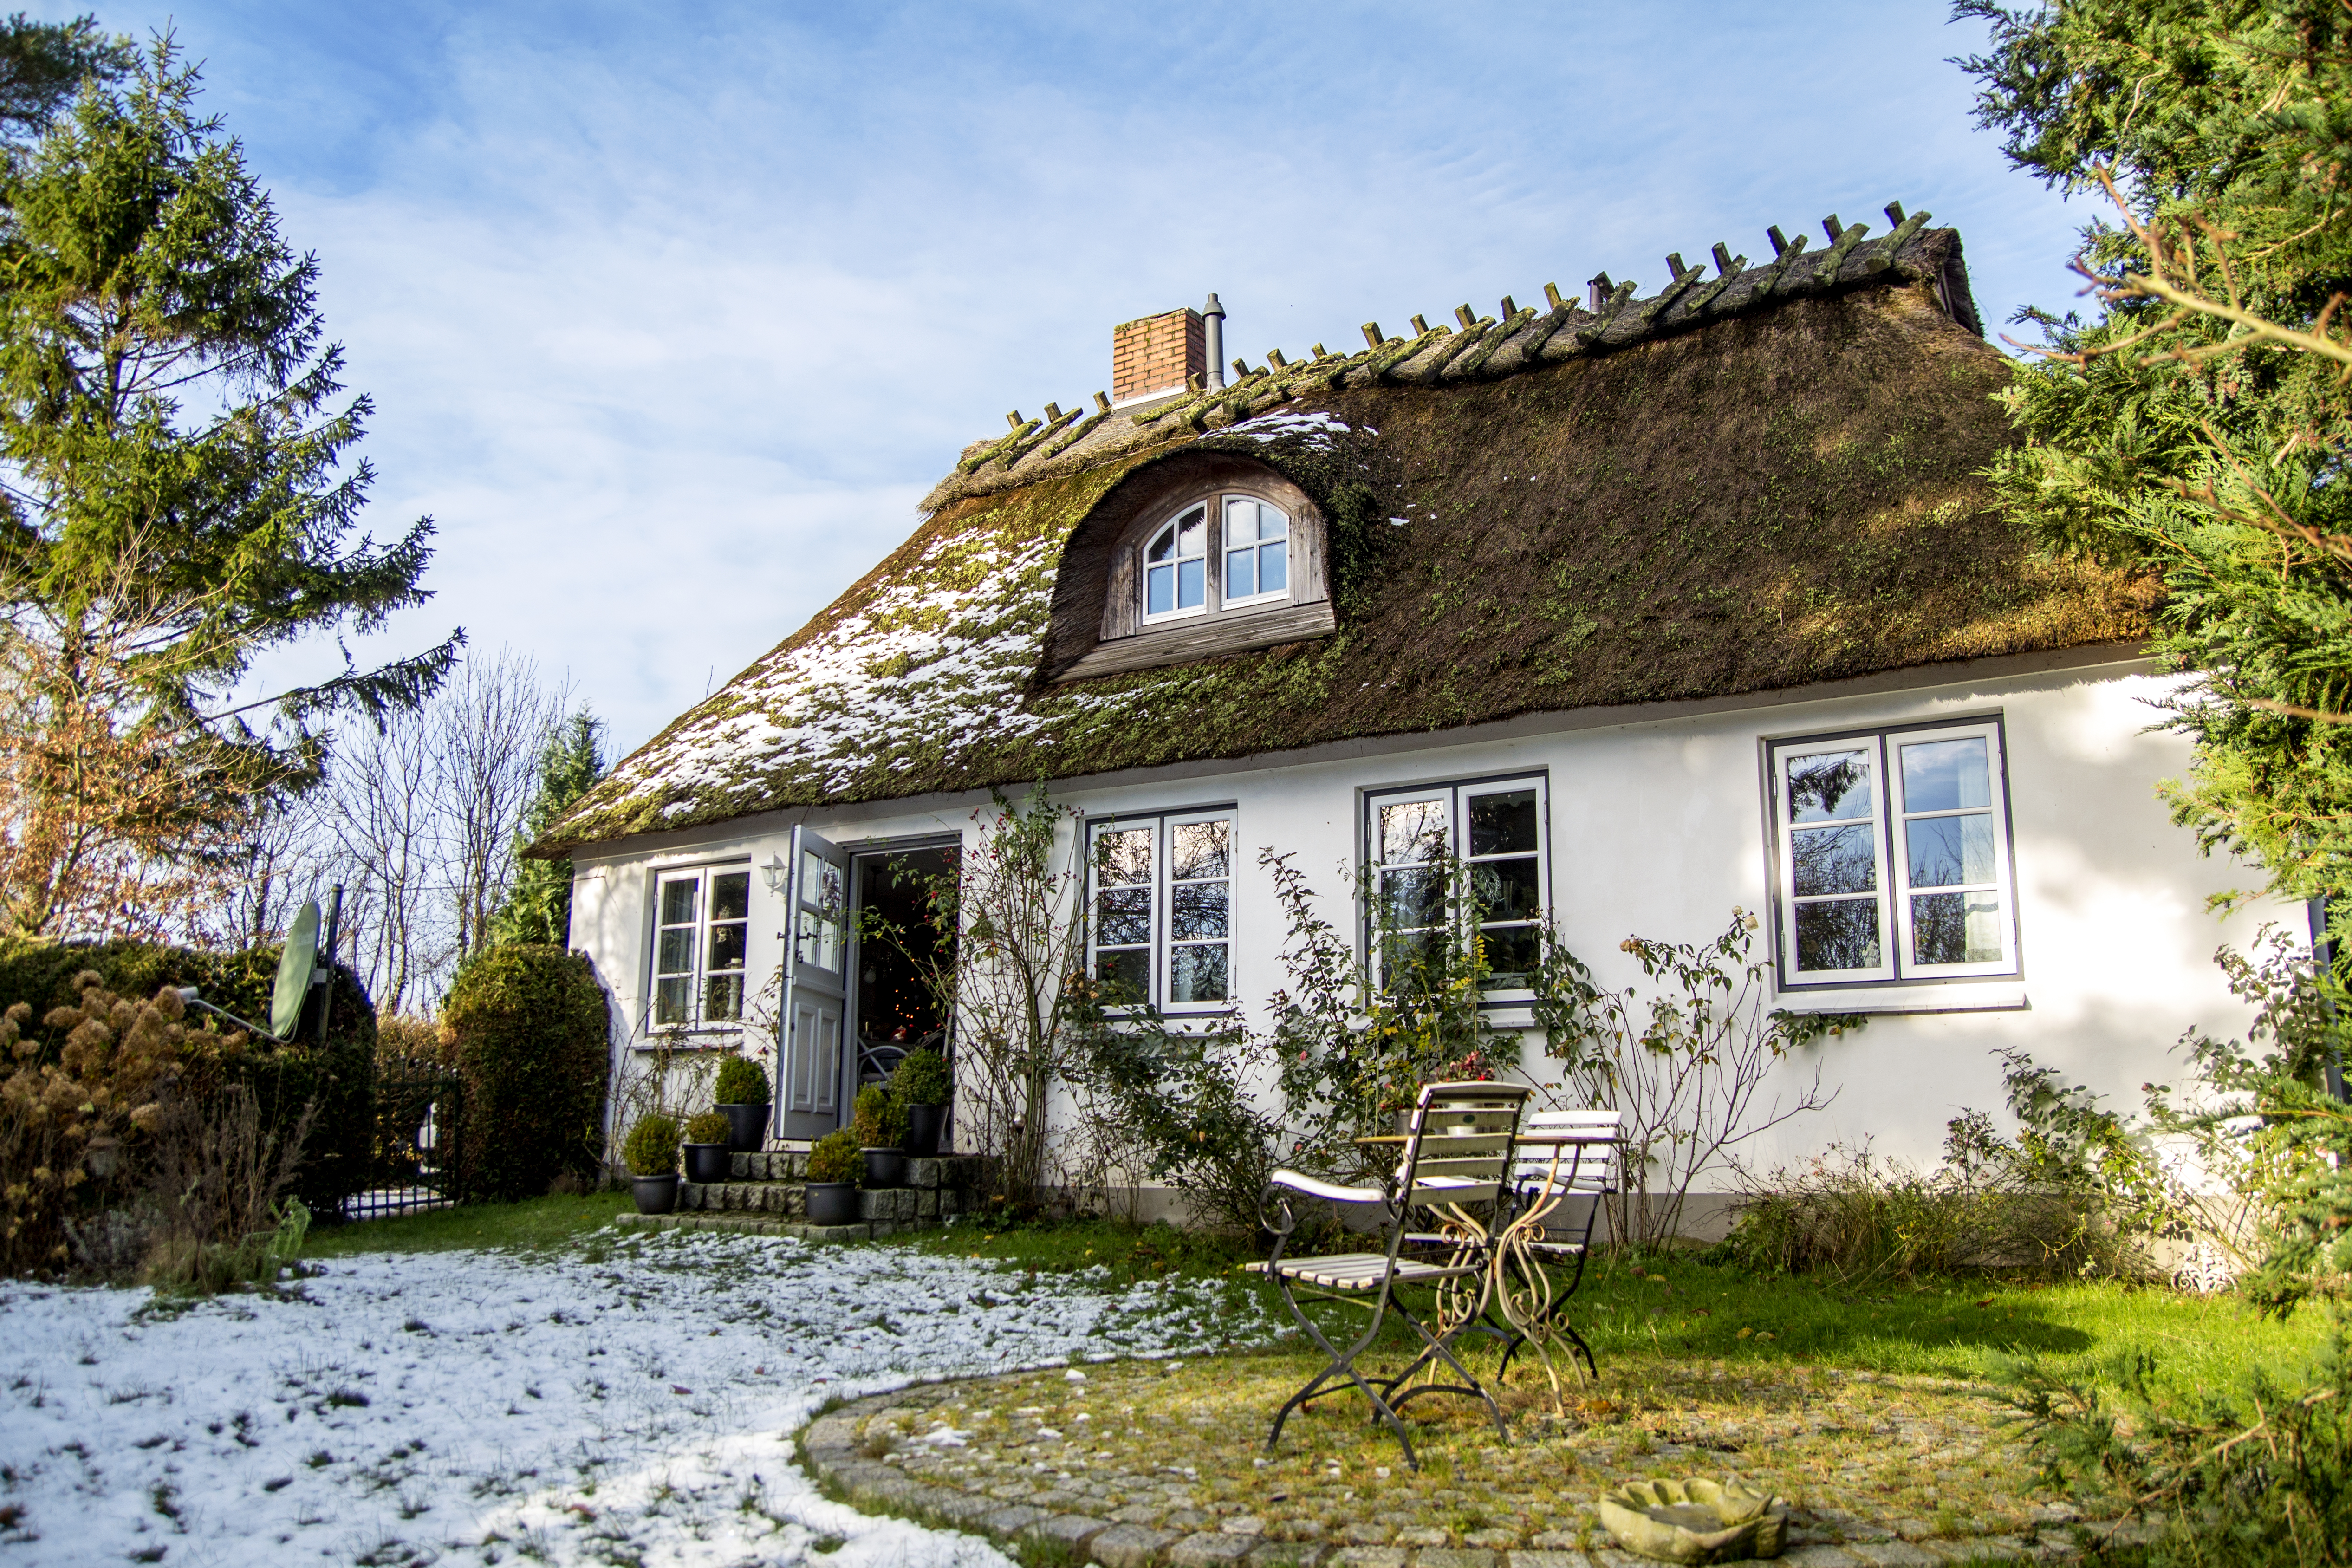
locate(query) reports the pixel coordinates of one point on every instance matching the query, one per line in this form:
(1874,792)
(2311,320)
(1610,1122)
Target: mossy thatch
(1783,496)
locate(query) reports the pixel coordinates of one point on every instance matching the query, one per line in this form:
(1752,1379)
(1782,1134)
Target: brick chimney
(1156,354)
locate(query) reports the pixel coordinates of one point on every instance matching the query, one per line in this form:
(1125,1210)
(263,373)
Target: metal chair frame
(1541,1189)
(1457,1152)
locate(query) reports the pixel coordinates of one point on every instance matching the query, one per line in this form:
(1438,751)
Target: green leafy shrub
(878,1119)
(922,1079)
(741,1082)
(530,1028)
(651,1147)
(710,1127)
(837,1157)
(285,1080)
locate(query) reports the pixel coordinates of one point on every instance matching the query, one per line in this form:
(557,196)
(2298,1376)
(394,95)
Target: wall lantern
(775,871)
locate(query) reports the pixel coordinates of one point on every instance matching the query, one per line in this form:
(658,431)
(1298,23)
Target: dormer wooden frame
(1097,624)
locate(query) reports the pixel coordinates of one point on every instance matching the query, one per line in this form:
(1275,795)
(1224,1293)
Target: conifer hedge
(528,1023)
(283,1079)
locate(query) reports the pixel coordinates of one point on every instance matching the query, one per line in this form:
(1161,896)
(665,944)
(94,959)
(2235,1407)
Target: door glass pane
(1956,928)
(1123,855)
(1197,973)
(1949,851)
(1196,910)
(1834,860)
(1946,776)
(1241,573)
(1412,829)
(671,999)
(678,901)
(674,954)
(1503,824)
(1505,889)
(1273,568)
(1198,849)
(1829,787)
(1192,583)
(1158,590)
(1843,934)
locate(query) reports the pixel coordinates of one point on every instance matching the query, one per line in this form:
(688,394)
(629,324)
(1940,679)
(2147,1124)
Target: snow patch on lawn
(635,1404)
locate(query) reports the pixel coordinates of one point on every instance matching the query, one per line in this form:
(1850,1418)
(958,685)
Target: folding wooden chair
(1565,1159)
(1454,1153)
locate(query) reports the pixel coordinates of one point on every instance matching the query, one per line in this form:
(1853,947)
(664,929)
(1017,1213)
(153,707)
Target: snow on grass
(634,1404)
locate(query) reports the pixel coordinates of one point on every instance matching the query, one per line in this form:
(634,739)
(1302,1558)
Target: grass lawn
(535,1222)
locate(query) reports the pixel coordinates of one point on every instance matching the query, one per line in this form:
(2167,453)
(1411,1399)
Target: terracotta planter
(923,1123)
(833,1202)
(885,1167)
(747,1127)
(708,1161)
(656,1195)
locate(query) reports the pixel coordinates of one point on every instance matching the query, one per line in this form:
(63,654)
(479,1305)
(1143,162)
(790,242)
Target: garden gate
(419,1151)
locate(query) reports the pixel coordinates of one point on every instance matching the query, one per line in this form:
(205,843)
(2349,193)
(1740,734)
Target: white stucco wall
(1657,827)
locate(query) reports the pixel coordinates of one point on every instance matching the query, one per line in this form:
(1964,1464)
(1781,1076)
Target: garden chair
(1455,1153)
(1566,1161)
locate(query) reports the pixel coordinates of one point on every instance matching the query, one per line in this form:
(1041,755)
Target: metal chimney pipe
(1212,315)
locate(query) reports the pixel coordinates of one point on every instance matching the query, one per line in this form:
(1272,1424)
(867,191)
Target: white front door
(816,953)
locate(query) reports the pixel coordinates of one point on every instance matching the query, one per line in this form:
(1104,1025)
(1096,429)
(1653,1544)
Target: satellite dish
(294,972)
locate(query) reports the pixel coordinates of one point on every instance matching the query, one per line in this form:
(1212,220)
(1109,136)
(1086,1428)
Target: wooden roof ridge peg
(1465,315)
(1846,237)
(1785,253)
(1727,268)
(1013,421)
(1053,414)
(1887,249)
(1274,357)
(1420,326)
(1683,278)
(1102,402)
(1551,296)
(1509,308)
(1373,338)
(1470,364)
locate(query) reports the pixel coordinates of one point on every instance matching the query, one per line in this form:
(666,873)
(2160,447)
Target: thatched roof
(1747,483)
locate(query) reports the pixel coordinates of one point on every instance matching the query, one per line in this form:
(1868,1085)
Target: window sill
(1204,636)
(1946,996)
(700,1037)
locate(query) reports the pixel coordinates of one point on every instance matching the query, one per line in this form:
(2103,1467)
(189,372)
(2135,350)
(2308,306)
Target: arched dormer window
(1222,552)
(1201,555)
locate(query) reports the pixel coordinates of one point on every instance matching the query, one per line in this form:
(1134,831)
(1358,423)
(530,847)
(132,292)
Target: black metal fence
(420,1153)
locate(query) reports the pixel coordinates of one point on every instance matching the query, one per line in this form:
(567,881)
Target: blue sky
(672,313)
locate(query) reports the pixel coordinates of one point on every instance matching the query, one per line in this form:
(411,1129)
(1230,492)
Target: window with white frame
(1892,859)
(1229,551)
(702,938)
(1160,907)
(1490,834)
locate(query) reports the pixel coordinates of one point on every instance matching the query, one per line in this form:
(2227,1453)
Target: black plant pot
(707,1161)
(885,1167)
(833,1202)
(656,1195)
(923,1130)
(747,1127)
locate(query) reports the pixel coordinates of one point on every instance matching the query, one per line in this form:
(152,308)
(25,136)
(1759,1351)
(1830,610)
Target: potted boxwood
(742,1095)
(878,1136)
(651,1150)
(834,1166)
(708,1148)
(922,1084)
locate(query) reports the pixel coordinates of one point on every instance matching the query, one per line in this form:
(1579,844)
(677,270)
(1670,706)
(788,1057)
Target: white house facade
(1650,610)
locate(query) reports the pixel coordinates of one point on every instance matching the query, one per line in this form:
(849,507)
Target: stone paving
(1136,1464)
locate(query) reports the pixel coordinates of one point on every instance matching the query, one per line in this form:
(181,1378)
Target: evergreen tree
(538,906)
(2194,426)
(174,501)
(41,64)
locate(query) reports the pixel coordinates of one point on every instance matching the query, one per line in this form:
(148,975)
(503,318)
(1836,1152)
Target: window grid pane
(1501,827)
(1951,849)
(1162,911)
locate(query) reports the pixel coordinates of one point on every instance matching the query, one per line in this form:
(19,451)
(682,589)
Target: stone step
(752,1225)
(777,1200)
(963,1172)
